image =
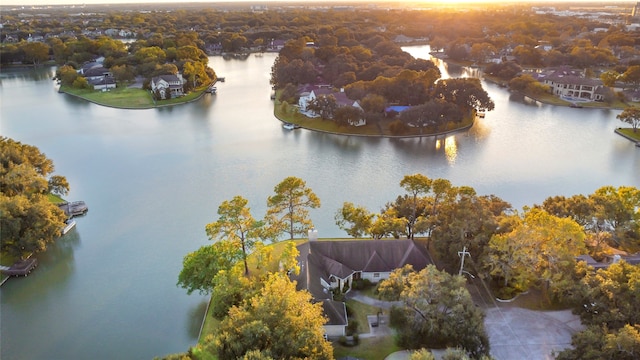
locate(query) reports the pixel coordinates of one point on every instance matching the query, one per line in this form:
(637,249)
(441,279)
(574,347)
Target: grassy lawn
(630,133)
(119,97)
(55,198)
(376,348)
(129,98)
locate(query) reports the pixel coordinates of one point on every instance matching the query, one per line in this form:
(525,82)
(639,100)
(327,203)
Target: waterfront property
(20,268)
(572,84)
(334,266)
(168,86)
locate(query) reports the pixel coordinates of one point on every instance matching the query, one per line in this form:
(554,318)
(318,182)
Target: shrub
(397,127)
(361,284)
(352,327)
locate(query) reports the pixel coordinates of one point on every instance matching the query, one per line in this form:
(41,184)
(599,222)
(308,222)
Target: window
(376,275)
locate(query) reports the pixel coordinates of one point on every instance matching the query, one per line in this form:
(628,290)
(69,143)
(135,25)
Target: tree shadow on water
(196,318)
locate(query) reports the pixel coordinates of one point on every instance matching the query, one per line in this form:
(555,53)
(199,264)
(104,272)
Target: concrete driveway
(517,333)
(514,333)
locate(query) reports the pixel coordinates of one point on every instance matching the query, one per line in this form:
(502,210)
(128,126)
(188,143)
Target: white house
(174,83)
(571,84)
(312,92)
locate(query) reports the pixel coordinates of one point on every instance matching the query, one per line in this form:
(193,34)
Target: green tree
(436,311)
(467,93)
(58,185)
(541,249)
(288,209)
(81,83)
(347,115)
(631,116)
(465,219)
(229,288)
(610,296)
(123,73)
(201,266)
(279,321)
(34,52)
(323,105)
(417,186)
(67,75)
(355,220)
(29,221)
(236,224)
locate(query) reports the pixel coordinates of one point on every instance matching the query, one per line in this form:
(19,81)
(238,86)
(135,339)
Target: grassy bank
(130,98)
(629,133)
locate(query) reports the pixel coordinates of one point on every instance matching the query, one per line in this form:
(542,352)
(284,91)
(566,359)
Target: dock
(75,208)
(20,268)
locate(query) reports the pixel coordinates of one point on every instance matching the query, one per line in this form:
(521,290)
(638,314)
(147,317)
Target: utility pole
(462,254)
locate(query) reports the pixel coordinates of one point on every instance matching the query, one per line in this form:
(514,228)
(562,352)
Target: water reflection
(76,101)
(29,73)
(59,258)
(450,149)
(194,320)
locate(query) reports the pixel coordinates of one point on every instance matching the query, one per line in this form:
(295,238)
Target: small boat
(574,105)
(638,144)
(212,90)
(288,126)
(221,78)
(69,224)
(480,114)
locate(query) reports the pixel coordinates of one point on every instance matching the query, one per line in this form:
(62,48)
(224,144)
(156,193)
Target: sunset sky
(80,2)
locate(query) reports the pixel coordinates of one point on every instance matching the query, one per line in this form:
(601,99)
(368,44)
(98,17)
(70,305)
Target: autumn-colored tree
(541,249)
(631,116)
(355,220)
(436,311)
(201,266)
(279,322)
(288,209)
(34,52)
(29,221)
(236,225)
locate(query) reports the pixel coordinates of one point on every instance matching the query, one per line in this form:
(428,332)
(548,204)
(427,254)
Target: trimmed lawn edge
(629,134)
(191,97)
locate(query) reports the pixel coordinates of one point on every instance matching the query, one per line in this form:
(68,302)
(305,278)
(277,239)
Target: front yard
(130,98)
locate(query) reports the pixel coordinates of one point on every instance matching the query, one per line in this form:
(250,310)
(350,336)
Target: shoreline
(156,106)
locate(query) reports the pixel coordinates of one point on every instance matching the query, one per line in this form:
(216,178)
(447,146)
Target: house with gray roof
(309,93)
(327,265)
(571,84)
(168,84)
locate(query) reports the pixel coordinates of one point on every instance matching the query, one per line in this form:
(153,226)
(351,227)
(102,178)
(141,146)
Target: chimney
(313,234)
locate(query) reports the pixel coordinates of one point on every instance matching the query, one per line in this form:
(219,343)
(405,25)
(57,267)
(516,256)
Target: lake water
(154,178)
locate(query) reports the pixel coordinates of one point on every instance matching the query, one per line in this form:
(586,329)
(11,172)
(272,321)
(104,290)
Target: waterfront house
(329,266)
(309,93)
(173,83)
(571,84)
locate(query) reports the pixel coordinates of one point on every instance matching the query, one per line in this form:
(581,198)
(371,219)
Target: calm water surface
(154,178)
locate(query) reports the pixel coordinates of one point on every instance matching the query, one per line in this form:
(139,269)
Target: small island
(146,74)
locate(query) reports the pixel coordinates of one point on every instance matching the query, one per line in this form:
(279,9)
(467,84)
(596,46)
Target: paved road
(514,333)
